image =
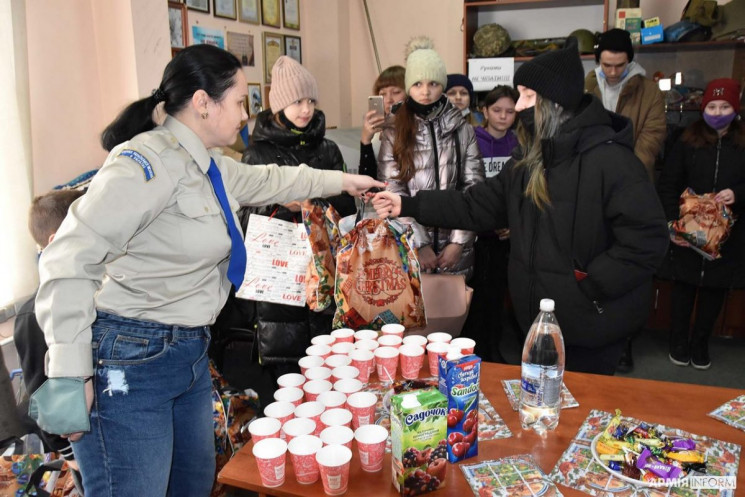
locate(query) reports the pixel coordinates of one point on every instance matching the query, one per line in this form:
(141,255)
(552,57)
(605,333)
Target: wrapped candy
(648,462)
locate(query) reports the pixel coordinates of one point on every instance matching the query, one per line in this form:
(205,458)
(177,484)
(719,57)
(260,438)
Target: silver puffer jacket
(436,136)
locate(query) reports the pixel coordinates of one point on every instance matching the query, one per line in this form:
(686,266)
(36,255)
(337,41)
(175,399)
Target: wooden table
(677,405)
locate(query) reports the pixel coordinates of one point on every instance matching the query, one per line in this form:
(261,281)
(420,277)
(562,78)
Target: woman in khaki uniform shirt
(138,271)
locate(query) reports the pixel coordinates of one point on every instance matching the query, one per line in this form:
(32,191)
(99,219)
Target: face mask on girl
(719,122)
(527,119)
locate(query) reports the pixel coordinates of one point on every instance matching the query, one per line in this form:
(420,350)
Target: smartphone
(376,103)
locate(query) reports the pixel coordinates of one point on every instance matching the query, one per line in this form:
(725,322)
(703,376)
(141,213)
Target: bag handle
(38,474)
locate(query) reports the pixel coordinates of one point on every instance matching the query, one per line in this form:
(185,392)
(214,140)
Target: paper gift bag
(377,278)
(704,223)
(277,257)
(321,223)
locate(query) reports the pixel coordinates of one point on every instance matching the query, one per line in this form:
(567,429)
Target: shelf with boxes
(532,19)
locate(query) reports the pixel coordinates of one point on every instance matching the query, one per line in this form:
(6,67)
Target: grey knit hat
(290,83)
(557,75)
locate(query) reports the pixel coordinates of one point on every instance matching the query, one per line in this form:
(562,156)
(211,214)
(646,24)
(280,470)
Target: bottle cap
(547,305)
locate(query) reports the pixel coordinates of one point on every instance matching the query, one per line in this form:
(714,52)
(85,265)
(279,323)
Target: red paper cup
(292,395)
(262,428)
(390,341)
(319,350)
(362,359)
(393,329)
(342,348)
(315,387)
(453,353)
(337,361)
(435,350)
(370,345)
(439,336)
(283,411)
(365,335)
(311,410)
(386,361)
(336,417)
(371,441)
(337,435)
(362,406)
(348,386)
(343,335)
(323,340)
(412,358)
(332,399)
(319,373)
(466,345)
(333,463)
(302,451)
(344,372)
(309,361)
(297,427)
(415,340)
(291,380)
(270,456)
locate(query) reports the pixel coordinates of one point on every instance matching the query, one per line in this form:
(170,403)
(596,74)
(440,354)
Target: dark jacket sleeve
(368,164)
(640,237)
(481,208)
(344,203)
(673,181)
(32,348)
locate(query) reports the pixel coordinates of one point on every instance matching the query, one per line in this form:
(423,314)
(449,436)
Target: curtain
(18,271)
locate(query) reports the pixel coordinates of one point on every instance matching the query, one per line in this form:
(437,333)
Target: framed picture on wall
(293,48)
(248,11)
(270,15)
(255,100)
(291,13)
(199,5)
(225,8)
(177,24)
(272,51)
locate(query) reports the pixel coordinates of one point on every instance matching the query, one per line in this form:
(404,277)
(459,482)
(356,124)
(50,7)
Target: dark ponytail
(198,67)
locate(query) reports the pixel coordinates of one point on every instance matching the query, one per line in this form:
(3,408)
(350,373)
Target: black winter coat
(285,331)
(604,219)
(696,168)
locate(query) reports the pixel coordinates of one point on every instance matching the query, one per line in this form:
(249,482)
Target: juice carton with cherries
(459,382)
(418,441)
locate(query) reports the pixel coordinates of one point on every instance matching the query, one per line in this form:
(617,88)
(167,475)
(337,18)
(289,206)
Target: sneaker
(700,357)
(680,355)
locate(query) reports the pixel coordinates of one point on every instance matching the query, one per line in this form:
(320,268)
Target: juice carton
(418,440)
(459,382)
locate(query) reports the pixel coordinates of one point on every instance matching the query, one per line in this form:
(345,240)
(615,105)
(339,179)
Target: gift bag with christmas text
(377,278)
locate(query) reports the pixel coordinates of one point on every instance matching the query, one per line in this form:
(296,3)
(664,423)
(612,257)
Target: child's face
(501,114)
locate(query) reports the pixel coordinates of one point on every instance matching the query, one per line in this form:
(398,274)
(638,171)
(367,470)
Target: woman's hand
(387,204)
(726,196)
(370,126)
(450,256)
(427,258)
(293,206)
(679,241)
(356,185)
(74,437)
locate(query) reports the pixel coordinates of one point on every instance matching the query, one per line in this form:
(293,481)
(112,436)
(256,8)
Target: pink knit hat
(290,83)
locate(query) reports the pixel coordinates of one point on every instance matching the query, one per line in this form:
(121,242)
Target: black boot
(680,352)
(626,362)
(700,354)
(710,301)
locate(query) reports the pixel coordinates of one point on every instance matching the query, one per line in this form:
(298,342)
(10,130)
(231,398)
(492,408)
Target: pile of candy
(642,453)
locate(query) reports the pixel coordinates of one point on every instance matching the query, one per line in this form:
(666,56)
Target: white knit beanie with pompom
(422,62)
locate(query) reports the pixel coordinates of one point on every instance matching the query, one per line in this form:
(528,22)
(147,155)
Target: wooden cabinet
(731,321)
(533,19)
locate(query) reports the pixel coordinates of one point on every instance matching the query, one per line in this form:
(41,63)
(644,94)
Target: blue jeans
(151,422)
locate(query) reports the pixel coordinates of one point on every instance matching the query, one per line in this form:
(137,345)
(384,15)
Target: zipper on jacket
(436,234)
(714,188)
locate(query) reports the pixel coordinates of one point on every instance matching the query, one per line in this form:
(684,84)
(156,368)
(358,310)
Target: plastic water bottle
(542,372)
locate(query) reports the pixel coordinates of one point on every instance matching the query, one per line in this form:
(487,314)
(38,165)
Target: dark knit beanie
(460,80)
(615,40)
(557,75)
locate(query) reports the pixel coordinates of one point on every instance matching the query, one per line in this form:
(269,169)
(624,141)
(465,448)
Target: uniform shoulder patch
(140,159)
